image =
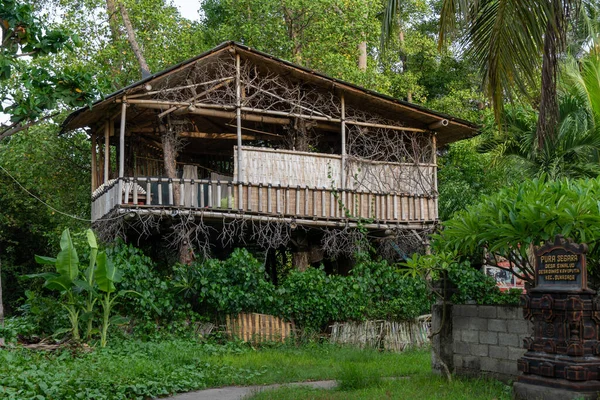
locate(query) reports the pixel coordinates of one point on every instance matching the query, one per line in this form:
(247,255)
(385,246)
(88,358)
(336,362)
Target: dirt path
(240,392)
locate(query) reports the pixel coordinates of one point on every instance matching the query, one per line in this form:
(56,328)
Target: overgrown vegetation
(132,369)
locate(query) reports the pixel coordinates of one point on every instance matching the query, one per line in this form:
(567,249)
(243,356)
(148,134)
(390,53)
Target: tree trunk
(145,70)
(1,307)
(362,56)
(113,21)
(300,260)
(553,43)
(169,142)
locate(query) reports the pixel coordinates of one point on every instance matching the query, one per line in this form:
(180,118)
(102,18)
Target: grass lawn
(139,370)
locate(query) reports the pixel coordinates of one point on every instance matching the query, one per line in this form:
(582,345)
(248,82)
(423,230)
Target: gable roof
(413,115)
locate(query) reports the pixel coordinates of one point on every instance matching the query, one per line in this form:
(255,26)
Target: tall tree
(131,38)
(30,91)
(509,40)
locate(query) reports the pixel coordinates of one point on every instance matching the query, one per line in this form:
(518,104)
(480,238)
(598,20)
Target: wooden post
(94,164)
(342,184)
(106,150)
(238,115)
(435,184)
(122,140)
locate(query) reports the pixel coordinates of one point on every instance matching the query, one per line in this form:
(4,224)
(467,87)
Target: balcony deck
(311,206)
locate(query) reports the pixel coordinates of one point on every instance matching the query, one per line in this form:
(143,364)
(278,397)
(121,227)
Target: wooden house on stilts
(236,147)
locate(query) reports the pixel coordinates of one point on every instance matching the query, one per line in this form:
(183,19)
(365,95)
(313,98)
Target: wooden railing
(247,198)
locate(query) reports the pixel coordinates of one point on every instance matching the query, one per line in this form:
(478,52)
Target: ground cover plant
(419,386)
(133,369)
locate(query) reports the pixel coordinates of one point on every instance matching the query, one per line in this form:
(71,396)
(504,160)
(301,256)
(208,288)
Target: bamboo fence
(388,335)
(259,328)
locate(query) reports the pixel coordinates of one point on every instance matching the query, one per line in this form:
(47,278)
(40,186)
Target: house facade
(235,147)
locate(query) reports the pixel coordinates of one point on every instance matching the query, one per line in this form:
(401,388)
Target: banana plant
(64,279)
(89,283)
(106,275)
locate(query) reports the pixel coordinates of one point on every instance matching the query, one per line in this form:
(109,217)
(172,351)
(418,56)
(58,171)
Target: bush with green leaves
(390,294)
(218,287)
(313,299)
(450,278)
(158,299)
(531,213)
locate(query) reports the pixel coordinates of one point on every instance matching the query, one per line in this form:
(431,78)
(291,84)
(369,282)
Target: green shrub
(389,293)
(227,287)
(313,299)
(158,302)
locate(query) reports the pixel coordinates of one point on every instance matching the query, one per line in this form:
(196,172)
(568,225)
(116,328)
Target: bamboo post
(230,204)
(287,200)
(238,115)
(135,191)
(209,188)
(122,140)
(435,184)
(249,196)
(269,201)
(260,207)
(343,158)
(94,164)
(323,208)
(159,190)
(148,191)
(181,192)
(106,150)
(277,200)
(218,193)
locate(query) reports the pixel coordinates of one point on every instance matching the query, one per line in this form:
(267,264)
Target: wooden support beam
(162,114)
(238,117)
(261,133)
(107,150)
(231,115)
(343,158)
(94,163)
(122,139)
(226,136)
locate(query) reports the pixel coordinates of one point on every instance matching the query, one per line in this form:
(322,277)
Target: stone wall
(481,339)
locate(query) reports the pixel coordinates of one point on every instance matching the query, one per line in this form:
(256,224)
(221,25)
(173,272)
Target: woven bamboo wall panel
(288,168)
(258,328)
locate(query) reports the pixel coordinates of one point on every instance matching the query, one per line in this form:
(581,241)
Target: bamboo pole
(135,96)
(122,139)
(238,115)
(310,221)
(343,158)
(435,184)
(106,150)
(212,89)
(393,127)
(94,164)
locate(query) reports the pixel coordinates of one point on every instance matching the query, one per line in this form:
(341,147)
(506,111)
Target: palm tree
(574,149)
(506,39)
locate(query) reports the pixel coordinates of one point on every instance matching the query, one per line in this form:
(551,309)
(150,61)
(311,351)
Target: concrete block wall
(485,339)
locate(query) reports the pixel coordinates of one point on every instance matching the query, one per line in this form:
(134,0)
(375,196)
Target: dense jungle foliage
(502,190)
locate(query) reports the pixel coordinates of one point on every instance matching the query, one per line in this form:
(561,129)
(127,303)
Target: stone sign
(560,266)
(563,353)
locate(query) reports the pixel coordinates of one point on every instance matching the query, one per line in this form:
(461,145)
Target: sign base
(540,391)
